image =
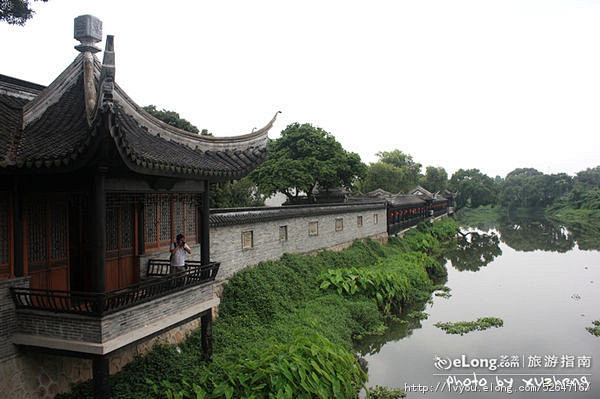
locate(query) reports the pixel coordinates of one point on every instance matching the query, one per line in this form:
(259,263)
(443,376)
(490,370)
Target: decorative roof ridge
(422,189)
(54,92)
(205,143)
(225,217)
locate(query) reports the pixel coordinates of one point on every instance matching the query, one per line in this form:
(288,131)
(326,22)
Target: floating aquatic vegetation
(463,327)
(596,329)
(443,291)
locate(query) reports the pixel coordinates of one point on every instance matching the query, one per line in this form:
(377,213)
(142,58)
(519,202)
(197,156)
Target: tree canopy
(385,176)
(173,119)
(435,179)
(304,157)
(528,187)
(589,177)
(412,169)
(235,194)
(16,12)
(474,188)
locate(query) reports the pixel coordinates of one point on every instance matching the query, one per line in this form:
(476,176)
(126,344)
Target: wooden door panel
(112,274)
(38,280)
(127,272)
(58,278)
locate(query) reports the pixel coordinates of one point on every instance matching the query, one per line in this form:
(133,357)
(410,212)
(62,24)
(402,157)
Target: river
(532,274)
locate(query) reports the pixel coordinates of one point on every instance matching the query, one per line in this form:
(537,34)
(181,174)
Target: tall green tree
(173,119)
(385,176)
(302,158)
(435,179)
(412,169)
(474,188)
(236,194)
(16,12)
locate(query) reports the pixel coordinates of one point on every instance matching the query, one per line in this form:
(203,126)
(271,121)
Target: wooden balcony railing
(100,304)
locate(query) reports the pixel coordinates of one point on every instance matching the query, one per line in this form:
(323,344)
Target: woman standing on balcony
(178,250)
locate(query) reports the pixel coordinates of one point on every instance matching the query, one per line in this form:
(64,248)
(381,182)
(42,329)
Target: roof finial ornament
(107,76)
(88,30)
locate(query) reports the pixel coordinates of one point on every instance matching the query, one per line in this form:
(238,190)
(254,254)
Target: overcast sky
(492,85)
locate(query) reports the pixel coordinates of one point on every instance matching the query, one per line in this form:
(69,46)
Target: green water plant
(387,288)
(463,327)
(596,329)
(417,315)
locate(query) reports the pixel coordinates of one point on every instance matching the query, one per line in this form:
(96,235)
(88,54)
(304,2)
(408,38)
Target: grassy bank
(286,328)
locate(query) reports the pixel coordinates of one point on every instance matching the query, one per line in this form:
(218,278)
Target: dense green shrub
(310,366)
(256,342)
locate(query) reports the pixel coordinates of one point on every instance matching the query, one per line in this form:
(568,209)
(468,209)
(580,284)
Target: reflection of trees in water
(534,231)
(474,250)
(586,235)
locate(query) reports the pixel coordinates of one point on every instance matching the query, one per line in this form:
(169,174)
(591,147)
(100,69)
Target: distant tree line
(528,188)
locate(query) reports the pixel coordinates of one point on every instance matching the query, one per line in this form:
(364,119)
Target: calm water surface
(547,292)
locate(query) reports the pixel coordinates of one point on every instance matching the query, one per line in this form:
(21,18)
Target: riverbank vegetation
(283,332)
(463,327)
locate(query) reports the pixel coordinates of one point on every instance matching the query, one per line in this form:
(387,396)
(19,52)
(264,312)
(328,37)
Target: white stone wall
(226,241)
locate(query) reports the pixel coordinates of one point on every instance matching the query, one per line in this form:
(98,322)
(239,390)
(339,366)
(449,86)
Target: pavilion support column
(100,374)
(204,227)
(98,232)
(206,334)
(17,209)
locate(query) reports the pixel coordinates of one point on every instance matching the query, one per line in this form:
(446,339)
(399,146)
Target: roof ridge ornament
(88,30)
(107,75)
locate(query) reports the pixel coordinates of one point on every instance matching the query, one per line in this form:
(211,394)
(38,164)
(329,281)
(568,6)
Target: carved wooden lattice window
(150,222)
(127,225)
(119,229)
(36,235)
(47,233)
(112,229)
(190,220)
(58,232)
(165,216)
(179,217)
(165,221)
(5,240)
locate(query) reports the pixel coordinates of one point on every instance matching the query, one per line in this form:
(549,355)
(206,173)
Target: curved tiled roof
(58,126)
(11,109)
(60,135)
(406,199)
(166,155)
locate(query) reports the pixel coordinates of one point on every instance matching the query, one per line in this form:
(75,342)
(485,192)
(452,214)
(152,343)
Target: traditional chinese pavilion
(90,184)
